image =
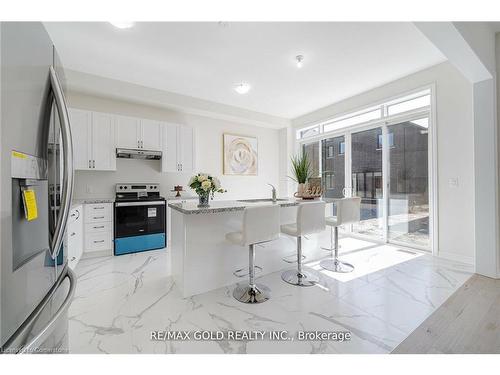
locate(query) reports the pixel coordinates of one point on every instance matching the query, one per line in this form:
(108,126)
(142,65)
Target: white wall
(470,47)
(208,138)
(454,149)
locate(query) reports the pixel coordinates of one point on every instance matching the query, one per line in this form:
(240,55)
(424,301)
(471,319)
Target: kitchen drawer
(98,212)
(96,227)
(98,241)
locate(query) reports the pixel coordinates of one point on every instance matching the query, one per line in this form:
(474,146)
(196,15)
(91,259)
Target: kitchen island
(202,258)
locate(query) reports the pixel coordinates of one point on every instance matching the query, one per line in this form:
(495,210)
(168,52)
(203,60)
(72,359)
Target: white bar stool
(310,219)
(260,224)
(348,212)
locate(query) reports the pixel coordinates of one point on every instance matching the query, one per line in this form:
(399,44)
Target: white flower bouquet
(205,185)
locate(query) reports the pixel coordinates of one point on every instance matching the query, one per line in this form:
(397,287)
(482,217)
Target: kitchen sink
(261,200)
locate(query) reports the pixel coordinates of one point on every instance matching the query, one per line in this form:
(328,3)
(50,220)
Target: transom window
(405,104)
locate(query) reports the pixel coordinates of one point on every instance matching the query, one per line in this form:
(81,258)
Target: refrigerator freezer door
(46,330)
(29,86)
(25,60)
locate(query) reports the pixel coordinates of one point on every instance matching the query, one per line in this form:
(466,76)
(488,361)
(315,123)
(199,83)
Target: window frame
(382,106)
(427,111)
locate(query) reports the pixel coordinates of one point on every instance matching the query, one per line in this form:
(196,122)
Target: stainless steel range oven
(139,218)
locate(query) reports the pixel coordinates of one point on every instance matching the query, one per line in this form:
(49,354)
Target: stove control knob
(125,187)
(121,187)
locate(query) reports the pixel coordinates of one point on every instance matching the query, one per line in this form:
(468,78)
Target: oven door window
(139,220)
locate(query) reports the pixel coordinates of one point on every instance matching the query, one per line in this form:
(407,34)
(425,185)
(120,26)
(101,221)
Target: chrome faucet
(274,193)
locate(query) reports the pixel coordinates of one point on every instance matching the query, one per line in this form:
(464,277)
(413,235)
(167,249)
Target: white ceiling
(205,60)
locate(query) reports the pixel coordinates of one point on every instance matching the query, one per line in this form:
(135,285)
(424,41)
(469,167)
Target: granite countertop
(182,197)
(191,207)
(77,202)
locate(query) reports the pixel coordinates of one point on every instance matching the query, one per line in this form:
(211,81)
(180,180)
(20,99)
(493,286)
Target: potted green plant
(301,167)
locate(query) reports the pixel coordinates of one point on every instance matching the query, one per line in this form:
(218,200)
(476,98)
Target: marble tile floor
(120,300)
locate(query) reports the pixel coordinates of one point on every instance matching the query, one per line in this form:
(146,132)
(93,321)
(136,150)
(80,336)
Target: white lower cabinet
(98,236)
(74,236)
(98,242)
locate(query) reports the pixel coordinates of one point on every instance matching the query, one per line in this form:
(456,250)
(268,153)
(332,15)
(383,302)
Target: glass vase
(204,200)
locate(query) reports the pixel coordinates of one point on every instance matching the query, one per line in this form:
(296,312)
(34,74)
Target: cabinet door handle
(99,241)
(98,217)
(72,234)
(99,227)
(99,208)
(90,163)
(93,164)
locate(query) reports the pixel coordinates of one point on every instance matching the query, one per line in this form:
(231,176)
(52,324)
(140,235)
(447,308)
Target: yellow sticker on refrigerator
(30,207)
(19,155)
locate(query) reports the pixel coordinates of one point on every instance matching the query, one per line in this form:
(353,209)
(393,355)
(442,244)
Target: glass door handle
(57,96)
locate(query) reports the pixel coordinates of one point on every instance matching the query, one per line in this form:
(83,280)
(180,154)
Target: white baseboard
(97,254)
(456,257)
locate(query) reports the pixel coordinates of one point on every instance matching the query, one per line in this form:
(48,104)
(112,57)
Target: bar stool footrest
(242,272)
(292,258)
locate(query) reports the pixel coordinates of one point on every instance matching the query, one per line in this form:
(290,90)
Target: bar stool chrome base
(334,243)
(336,265)
(303,278)
(247,294)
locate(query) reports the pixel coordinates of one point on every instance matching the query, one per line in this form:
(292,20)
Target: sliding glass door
(366,181)
(408,174)
(333,166)
(387,166)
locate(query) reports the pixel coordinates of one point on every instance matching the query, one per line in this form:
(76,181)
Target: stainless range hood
(127,153)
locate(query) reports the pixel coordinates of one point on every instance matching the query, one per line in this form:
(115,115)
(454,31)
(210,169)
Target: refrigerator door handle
(16,343)
(68,173)
(51,325)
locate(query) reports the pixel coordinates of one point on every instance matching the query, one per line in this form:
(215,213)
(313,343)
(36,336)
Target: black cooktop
(128,198)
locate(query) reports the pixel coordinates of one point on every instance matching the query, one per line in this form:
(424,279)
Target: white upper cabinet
(169,152)
(138,134)
(186,145)
(178,148)
(127,132)
(93,140)
(96,136)
(103,142)
(151,135)
(81,128)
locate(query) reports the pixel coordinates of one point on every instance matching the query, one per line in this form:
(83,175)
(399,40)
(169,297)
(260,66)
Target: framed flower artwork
(240,155)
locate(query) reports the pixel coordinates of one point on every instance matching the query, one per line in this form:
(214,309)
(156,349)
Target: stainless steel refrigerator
(36,188)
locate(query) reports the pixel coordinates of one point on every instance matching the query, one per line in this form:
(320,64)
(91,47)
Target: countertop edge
(209,210)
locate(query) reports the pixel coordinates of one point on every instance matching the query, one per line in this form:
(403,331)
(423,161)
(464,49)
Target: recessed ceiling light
(300,60)
(242,88)
(123,24)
